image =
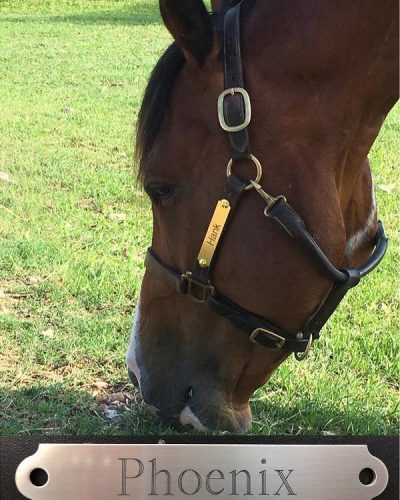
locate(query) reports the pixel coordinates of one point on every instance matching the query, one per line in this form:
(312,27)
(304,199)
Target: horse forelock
(155,102)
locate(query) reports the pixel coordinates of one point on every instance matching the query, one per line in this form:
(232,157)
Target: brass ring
(300,356)
(256,163)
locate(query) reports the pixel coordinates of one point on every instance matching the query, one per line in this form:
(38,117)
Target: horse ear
(189,23)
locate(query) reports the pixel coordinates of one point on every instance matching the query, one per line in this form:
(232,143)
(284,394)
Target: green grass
(74,228)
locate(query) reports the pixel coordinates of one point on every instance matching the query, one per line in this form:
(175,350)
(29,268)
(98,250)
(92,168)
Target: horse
(302,89)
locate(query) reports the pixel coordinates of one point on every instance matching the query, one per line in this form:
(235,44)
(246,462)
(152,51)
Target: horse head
(320,85)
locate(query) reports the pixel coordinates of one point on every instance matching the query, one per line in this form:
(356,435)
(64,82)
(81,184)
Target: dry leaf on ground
(117,217)
(5,177)
(48,333)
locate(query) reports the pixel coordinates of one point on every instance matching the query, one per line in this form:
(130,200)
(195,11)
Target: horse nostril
(190,393)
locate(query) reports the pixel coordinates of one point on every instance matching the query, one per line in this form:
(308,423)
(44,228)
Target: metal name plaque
(109,471)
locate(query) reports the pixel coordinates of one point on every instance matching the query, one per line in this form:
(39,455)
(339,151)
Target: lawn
(74,226)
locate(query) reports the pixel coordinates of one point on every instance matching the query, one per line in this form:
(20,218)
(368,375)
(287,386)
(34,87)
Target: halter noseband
(234,113)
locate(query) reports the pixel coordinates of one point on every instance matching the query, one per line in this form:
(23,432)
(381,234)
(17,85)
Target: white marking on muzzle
(131,357)
(187,417)
(132,354)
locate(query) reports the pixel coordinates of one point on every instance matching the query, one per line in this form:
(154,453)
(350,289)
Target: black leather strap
(260,329)
(248,322)
(234,107)
(234,114)
(381,244)
(294,225)
(331,303)
(165,273)
(245,320)
(339,290)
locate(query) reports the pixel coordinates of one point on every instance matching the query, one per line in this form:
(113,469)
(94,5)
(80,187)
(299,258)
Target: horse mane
(155,102)
(158,91)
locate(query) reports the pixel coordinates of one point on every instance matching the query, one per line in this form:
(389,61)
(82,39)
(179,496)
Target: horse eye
(160,193)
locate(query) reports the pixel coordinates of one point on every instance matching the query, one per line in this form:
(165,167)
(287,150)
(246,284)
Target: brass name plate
(204,472)
(214,232)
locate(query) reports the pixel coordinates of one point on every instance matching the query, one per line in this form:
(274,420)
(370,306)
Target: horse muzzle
(201,408)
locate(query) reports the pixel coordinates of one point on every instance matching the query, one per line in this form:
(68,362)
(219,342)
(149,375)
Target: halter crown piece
(234,113)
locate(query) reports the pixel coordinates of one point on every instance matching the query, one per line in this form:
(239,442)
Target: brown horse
(322,76)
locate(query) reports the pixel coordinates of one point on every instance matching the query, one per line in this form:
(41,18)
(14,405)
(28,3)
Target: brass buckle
(247,108)
(205,290)
(280,340)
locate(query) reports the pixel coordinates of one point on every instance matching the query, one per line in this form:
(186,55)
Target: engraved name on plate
(136,471)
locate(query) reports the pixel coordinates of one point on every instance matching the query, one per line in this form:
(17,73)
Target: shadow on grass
(135,16)
(54,410)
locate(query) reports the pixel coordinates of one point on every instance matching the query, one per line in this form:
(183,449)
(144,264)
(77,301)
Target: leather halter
(234,111)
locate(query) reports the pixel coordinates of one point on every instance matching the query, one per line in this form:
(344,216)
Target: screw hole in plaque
(367,476)
(39,477)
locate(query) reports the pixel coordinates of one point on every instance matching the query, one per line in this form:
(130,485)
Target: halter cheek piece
(234,112)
